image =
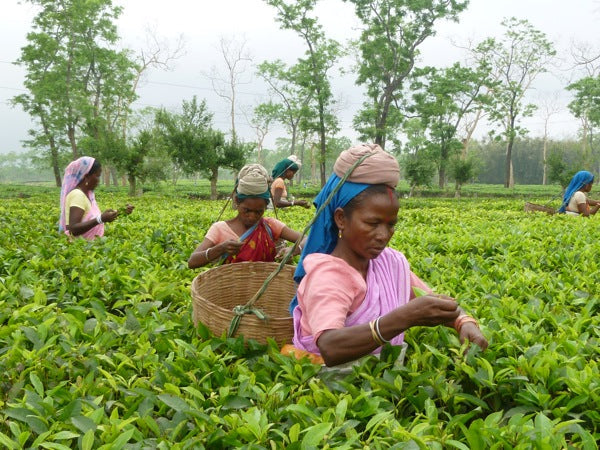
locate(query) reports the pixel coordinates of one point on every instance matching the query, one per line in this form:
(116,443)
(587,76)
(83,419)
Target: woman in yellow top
(79,212)
(285,170)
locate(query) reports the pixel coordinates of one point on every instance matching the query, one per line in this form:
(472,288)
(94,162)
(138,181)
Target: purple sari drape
(388,287)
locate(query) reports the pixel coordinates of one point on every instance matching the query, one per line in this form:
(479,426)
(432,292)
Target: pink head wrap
(379,168)
(74,173)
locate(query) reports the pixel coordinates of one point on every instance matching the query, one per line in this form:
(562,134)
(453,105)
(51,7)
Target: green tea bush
(98,350)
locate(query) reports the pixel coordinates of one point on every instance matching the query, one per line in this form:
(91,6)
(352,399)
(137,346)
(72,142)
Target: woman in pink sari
(79,212)
(355,293)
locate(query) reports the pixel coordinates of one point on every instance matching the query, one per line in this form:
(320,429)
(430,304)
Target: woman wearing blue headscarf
(575,202)
(355,293)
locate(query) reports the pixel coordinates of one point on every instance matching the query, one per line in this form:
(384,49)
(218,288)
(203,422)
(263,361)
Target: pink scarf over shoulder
(388,287)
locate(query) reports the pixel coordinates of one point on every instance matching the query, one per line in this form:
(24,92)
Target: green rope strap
(248,308)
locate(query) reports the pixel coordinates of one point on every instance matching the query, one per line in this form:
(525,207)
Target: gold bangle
(374,333)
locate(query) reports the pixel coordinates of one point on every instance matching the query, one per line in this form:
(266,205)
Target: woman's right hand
(430,310)
(109,215)
(302,203)
(231,247)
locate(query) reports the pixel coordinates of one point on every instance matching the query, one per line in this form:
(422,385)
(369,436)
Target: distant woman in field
(248,236)
(79,212)
(285,170)
(575,201)
(356,293)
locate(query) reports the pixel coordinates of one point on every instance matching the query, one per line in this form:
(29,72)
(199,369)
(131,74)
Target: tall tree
(586,107)
(517,58)
(320,56)
(236,59)
(388,47)
(67,39)
(285,84)
(441,99)
(195,146)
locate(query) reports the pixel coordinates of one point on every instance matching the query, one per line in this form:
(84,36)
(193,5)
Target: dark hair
(374,189)
(96,167)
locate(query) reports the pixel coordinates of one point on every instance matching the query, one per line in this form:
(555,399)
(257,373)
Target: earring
(339,234)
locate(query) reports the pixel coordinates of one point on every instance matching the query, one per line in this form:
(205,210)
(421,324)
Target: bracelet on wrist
(206,253)
(379,335)
(461,320)
(374,333)
(99,219)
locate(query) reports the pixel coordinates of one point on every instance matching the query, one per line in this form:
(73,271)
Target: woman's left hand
(127,210)
(472,333)
(283,252)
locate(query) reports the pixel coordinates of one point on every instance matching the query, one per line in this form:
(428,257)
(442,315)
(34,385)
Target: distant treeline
(489,157)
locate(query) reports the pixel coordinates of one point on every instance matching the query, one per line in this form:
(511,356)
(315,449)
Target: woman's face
(289,174)
(588,187)
(250,210)
(370,226)
(92,180)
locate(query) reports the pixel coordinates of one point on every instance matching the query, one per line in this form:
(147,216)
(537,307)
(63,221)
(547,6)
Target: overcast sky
(203,22)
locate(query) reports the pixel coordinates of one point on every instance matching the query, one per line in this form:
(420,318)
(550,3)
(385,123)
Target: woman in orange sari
(248,236)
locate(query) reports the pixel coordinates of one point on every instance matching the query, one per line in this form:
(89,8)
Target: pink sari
(388,287)
(74,174)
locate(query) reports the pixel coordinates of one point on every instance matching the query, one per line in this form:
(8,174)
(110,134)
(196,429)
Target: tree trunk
(123,180)
(114,176)
(442,177)
(55,168)
(301,159)
(71,135)
(213,184)
(53,153)
(509,180)
(545,168)
(106,176)
(132,185)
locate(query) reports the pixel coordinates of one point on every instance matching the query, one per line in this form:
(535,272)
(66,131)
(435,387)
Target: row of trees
(81,87)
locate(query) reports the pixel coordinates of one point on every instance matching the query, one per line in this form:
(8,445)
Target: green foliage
(515,60)
(98,350)
(389,43)
(77,82)
(311,72)
(442,99)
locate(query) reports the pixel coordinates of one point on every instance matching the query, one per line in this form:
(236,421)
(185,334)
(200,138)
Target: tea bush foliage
(98,350)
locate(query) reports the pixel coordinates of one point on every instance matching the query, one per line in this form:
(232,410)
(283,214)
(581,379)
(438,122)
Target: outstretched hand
(109,215)
(472,333)
(431,309)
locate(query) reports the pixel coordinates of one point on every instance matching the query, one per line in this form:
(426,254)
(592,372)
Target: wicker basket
(218,290)
(532,207)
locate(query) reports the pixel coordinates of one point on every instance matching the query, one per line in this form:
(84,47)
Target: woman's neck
(236,225)
(83,188)
(357,262)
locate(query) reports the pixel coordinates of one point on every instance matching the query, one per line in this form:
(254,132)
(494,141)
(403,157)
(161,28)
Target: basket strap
(248,307)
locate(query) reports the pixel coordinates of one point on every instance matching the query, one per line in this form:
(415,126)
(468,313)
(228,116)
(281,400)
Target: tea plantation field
(98,350)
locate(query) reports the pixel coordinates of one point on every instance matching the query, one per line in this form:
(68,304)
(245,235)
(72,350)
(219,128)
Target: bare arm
(207,252)
(76,224)
(347,344)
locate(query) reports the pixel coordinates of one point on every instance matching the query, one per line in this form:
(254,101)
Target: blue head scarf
(323,235)
(579,180)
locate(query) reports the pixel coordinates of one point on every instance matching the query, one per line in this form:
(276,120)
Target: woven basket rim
(273,303)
